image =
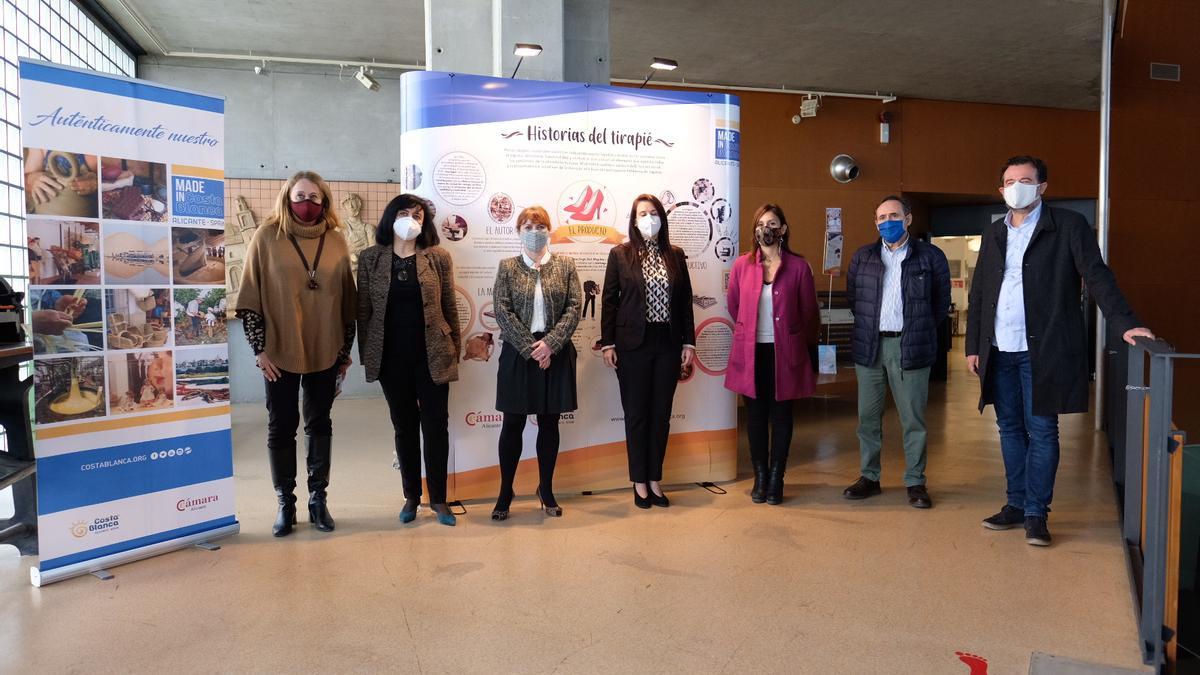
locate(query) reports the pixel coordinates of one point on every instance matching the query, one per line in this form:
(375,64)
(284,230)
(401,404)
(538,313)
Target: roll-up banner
(125,214)
(482,149)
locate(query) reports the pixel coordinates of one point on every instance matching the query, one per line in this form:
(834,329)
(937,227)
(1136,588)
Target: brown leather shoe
(918,497)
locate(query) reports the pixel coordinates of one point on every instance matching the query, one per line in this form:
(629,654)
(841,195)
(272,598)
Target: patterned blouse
(255,326)
(658,285)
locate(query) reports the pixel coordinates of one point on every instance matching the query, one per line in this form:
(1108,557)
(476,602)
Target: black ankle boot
(775,482)
(758,493)
(319,455)
(286,517)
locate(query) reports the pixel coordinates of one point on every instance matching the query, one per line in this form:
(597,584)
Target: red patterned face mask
(306,211)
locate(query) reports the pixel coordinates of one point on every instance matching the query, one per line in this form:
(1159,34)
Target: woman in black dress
(537,300)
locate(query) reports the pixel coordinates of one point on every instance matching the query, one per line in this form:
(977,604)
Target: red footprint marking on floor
(977,664)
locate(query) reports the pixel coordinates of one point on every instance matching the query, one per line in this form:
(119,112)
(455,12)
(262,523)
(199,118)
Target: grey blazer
(512,296)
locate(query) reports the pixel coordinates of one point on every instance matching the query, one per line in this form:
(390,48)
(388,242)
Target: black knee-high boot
(283,475)
(320,450)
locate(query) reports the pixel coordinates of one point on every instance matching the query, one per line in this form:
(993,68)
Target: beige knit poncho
(305,327)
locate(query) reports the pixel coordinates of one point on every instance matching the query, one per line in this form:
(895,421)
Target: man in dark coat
(1026,337)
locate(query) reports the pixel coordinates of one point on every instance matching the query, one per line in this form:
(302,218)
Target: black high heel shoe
(502,513)
(640,501)
(552,511)
(657,499)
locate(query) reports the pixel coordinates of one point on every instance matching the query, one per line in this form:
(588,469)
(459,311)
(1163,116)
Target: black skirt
(523,388)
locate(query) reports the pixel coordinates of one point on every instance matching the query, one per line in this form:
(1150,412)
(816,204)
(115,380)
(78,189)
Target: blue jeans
(1028,442)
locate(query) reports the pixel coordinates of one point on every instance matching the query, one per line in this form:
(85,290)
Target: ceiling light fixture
(809,106)
(659,64)
(364,78)
(523,49)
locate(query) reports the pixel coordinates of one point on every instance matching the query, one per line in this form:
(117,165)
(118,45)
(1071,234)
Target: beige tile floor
(713,584)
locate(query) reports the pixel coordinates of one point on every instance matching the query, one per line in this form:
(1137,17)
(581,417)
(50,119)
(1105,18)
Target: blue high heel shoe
(446,518)
(407,516)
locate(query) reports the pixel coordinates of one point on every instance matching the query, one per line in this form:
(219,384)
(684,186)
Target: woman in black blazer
(648,333)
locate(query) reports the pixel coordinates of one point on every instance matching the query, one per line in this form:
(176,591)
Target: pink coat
(797,324)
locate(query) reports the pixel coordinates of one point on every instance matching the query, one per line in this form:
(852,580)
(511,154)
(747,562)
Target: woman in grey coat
(537,299)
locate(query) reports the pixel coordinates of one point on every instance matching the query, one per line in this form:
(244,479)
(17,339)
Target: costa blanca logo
(195,503)
(477,417)
(83,528)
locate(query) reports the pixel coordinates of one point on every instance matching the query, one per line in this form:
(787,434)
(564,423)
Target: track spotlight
(523,49)
(659,64)
(365,79)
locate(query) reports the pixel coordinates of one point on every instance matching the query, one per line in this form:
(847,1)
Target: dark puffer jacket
(925,286)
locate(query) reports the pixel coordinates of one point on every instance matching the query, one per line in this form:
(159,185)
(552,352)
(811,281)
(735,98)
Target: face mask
(406,227)
(649,226)
(1020,195)
(891,230)
(534,240)
(767,236)
(306,211)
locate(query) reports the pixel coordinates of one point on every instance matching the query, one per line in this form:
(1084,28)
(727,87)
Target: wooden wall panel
(1155,194)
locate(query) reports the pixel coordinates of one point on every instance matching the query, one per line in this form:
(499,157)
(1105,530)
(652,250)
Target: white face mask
(649,225)
(406,227)
(1020,195)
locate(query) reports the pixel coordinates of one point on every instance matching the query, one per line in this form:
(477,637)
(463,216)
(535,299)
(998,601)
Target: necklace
(312,272)
(401,266)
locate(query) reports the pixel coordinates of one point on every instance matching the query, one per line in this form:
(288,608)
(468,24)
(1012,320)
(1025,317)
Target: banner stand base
(713,488)
(457,504)
(102,575)
(39,578)
(208,546)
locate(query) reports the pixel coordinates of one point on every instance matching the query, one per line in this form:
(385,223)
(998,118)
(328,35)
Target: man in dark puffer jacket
(899,291)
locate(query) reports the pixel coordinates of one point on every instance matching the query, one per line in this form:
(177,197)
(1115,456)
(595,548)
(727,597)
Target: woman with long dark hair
(409,340)
(296,304)
(773,302)
(648,334)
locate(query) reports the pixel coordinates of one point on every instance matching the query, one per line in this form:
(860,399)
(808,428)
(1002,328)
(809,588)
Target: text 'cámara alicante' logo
(486,419)
(82,528)
(195,503)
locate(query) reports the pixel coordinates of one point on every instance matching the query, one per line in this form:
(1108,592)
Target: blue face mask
(891,230)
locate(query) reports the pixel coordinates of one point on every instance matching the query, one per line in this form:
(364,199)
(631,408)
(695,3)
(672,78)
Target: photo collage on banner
(124,206)
(482,149)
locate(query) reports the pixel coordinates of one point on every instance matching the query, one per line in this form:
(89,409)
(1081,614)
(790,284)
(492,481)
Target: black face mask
(767,236)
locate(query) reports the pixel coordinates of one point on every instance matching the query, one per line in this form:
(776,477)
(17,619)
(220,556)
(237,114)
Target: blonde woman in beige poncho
(296,284)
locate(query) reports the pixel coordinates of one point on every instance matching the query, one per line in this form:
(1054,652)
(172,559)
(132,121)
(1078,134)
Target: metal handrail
(1162,442)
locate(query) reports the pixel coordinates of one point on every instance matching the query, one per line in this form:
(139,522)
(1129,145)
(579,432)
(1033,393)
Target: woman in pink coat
(773,302)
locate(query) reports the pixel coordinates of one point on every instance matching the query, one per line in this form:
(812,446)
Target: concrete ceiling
(1033,52)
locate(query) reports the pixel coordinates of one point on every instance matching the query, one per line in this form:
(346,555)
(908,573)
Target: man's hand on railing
(1140,331)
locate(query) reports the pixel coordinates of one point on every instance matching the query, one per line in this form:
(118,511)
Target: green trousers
(910,390)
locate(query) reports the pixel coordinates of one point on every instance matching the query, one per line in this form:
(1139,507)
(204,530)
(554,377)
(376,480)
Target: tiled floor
(713,584)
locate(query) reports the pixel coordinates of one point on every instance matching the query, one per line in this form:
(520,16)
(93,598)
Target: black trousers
(418,408)
(648,377)
(765,415)
(511,446)
(588,301)
(283,418)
